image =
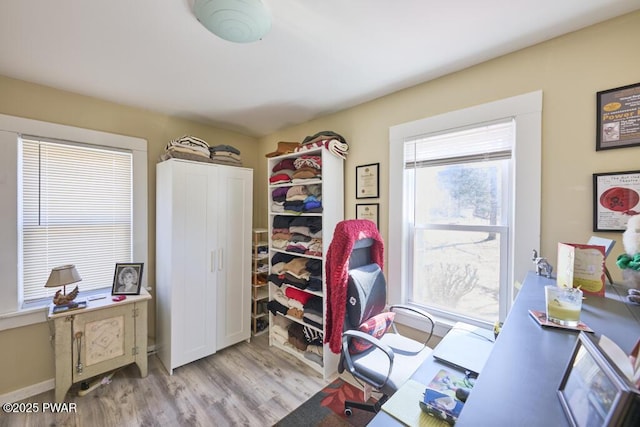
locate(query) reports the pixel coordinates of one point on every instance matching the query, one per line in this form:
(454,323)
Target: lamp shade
(238,21)
(63,275)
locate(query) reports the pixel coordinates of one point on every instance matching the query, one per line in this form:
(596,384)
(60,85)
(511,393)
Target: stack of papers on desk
(404,406)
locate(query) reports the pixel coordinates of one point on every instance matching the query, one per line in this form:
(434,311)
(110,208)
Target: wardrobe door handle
(221,258)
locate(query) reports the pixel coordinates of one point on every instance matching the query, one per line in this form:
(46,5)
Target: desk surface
(518,383)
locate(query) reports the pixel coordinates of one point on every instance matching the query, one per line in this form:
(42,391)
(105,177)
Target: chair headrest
(366,294)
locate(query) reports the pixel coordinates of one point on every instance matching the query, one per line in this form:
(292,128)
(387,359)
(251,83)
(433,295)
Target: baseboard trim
(29,391)
(50,384)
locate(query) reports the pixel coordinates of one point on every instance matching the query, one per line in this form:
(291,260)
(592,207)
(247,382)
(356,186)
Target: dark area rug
(326,408)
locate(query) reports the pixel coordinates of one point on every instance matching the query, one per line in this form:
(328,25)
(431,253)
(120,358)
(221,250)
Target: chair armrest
(346,335)
(417,311)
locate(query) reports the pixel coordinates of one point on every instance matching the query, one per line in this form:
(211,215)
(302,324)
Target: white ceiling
(320,56)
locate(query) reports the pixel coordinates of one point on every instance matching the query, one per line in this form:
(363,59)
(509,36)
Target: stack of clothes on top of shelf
(301,235)
(305,168)
(187,148)
(225,155)
(191,148)
(297,199)
(330,140)
(299,338)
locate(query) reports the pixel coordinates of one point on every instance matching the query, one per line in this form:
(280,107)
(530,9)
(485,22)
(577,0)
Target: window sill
(443,324)
(24,317)
(37,311)
(416,322)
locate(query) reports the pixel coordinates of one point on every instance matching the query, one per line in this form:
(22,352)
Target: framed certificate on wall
(369,211)
(368,181)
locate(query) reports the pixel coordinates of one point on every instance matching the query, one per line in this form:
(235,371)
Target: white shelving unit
(259,283)
(332,190)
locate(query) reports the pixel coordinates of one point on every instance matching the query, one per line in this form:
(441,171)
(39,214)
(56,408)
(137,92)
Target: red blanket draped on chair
(346,234)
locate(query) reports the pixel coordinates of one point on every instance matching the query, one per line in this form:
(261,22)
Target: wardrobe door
(186,271)
(194,257)
(234,202)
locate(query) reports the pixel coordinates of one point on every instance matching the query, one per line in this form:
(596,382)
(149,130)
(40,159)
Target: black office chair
(380,357)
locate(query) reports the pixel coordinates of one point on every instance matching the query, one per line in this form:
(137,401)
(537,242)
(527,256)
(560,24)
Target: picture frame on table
(370,211)
(127,279)
(617,117)
(368,181)
(592,392)
(616,196)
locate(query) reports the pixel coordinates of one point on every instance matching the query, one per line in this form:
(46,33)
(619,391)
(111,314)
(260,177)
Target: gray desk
(519,381)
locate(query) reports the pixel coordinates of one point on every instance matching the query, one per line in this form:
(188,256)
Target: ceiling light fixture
(238,21)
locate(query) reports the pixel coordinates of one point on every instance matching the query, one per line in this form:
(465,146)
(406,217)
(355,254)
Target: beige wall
(569,70)
(26,356)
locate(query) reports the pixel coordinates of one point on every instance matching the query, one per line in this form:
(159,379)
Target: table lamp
(63,276)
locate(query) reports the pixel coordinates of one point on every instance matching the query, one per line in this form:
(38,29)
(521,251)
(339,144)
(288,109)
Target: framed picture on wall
(618,117)
(616,196)
(370,211)
(368,181)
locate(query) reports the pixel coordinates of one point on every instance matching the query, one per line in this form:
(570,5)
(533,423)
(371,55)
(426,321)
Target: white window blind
(489,141)
(77,209)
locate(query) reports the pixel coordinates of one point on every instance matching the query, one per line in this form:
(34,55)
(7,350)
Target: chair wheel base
(365,406)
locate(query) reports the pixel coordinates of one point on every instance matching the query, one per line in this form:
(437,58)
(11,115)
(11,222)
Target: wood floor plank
(248,384)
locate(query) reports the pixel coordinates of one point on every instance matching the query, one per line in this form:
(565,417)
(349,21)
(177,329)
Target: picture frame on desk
(127,279)
(592,392)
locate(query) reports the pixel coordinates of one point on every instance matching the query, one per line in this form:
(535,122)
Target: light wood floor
(249,384)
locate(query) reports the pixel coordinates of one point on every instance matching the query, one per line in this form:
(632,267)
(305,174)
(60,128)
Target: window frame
(524,220)
(12,313)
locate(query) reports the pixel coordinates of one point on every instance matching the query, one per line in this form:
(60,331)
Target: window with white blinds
(457,205)
(477,143)
(76,209)
(454,177)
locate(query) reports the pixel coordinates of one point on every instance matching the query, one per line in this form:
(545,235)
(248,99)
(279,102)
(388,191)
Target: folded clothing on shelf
(332,141)
(189,147)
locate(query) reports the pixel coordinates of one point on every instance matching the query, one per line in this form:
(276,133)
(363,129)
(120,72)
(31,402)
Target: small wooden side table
(102,337)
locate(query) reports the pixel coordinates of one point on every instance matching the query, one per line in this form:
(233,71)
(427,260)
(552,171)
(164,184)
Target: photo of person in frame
(127,279)
(611,131)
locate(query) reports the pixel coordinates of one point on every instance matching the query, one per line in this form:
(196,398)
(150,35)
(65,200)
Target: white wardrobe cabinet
(203,250)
